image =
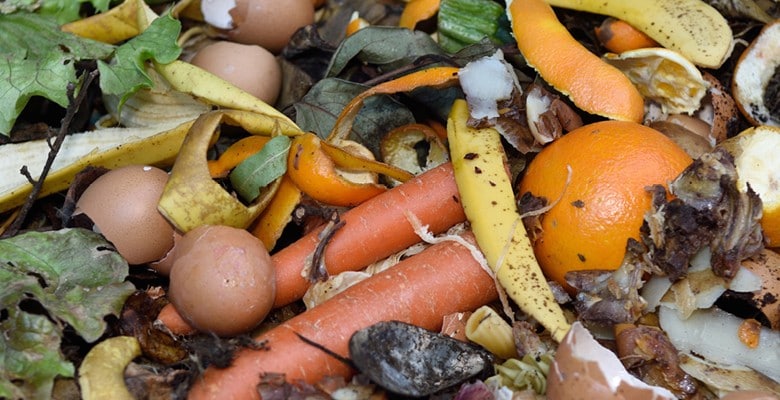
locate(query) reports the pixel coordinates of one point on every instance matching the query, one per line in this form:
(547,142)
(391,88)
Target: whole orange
(611,163)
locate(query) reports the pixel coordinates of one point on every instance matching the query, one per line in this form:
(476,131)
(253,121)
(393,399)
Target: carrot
(172,320)
(420,290)
(373,230)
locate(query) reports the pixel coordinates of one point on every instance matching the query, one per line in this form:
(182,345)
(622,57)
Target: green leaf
(261,168)
(126,73)
(30,353)
(385,47)
(69,10)
(37,59)
(318,110)
(77,277)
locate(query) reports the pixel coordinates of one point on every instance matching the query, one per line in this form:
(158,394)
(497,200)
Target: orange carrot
(171,319)
(373,230)
(618,36)
(420,290)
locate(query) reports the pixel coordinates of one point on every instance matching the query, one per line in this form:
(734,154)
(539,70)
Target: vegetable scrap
(373,199)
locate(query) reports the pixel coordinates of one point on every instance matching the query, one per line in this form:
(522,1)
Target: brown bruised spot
(578,203)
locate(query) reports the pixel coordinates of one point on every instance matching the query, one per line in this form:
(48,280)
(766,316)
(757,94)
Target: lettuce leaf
(50,280)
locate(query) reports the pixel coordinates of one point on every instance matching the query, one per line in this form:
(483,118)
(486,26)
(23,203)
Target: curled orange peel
(416,11)
(431,77)
(593,85)
(314,172)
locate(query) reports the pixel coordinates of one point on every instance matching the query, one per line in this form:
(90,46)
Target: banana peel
(488,200)
(191,197)
(101,374)
(691,27)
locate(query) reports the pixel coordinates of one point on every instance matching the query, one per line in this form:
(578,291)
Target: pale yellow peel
(692,27)
(101,375)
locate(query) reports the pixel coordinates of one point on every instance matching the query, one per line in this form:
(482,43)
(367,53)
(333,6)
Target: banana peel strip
(488,200)
(191,197)
(109,148)
(101,374)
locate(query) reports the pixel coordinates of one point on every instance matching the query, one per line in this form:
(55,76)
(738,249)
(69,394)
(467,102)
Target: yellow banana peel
(691,27)
(102,373)
(191,197)
(488,200)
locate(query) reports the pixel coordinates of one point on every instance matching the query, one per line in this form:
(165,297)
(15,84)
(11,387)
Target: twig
(85,81)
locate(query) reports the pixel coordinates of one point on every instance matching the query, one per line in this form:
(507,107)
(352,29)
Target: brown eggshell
(249,67)
(122,203)
(163,266)
(724,110)
(269,23)
(222,280)
(584,369)
(750,395)
(767,266)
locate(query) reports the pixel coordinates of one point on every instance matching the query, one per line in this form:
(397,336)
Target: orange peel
(593,85)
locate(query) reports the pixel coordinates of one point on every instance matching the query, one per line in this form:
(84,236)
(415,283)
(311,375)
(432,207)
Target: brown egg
(250,67)
(222,280)
(269,23)
(584,369)
(122,204)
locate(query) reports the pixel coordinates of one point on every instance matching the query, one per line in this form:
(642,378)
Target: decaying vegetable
(412,361)
(102,373)
(692,27)
(488,201)
(713,334)
(709,210)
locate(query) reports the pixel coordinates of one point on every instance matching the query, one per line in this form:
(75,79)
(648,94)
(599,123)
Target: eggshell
(122,204)
(269,23)
(249,67)
(222,280)
(584,369)
(750,395)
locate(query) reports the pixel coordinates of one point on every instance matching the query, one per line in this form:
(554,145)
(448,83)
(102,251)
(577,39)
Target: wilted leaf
(385,47)
(38,60)
(77,277)
(318,110)
(261,168)
(30,356)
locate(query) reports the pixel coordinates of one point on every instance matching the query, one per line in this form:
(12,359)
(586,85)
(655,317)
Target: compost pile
(468,199)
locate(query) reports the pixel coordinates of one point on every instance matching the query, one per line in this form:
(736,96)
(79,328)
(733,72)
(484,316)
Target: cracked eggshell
(584,369)
(266,23)
(122,204)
